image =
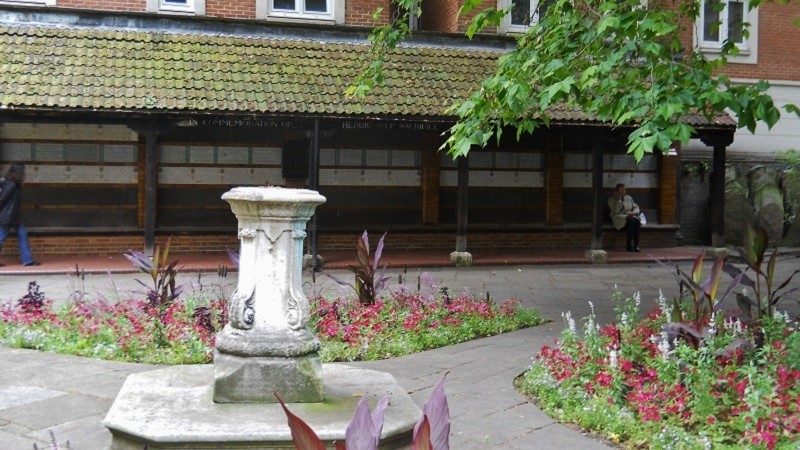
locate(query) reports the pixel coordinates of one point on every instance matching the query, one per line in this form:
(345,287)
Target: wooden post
(718,197)
(151,190)
(431,174)
(599,201)
(668,188)
(313,182)
(463,204)
(150,131)
(719,140)
(554,189)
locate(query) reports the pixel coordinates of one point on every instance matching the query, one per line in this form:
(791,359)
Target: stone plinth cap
(273,194)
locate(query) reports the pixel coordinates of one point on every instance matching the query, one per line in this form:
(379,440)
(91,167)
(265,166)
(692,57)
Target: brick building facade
(135,116)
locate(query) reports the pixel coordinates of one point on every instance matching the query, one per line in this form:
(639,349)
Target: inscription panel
(233,155)
(173,154)
(16,151)
(267,155)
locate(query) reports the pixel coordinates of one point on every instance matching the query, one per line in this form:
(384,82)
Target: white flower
(663,346)
(612,358)
(569,321)
(637,297)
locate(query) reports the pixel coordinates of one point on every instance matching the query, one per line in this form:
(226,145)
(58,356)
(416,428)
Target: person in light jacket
(11,212)
(625,215)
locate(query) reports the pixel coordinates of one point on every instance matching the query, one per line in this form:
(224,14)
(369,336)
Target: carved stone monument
(266,346)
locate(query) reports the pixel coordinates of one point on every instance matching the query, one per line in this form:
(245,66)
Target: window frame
(335,15)
(748,48)
(28,2)
(299,13)
(507,27)
(192,7)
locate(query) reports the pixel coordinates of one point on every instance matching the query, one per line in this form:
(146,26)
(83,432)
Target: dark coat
(10,203)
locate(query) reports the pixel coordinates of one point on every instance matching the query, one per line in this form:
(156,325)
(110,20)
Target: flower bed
(630,383)
(182,332)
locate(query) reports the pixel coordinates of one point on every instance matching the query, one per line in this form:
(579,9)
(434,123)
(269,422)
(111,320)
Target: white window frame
(334,15)
(190,7)
(29,2)
(748,49)
(506,26)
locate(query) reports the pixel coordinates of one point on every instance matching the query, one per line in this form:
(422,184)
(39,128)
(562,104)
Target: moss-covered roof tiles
(76,68)
(104,69)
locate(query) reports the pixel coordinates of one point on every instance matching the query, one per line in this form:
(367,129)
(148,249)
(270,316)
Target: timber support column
(460,257)
(313,261)
(554,189)
(719,141)
(431,174)
(668,188)
(596,254)
(148,179)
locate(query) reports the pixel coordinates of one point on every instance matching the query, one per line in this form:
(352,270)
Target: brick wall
(231,9)
(108,5)
(400,241)
(359,12)
(440,15)
(778,57)
(464,21)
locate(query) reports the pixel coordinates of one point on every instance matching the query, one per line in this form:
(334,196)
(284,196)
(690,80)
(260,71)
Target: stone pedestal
(461,259)
(596,256)
(265,347)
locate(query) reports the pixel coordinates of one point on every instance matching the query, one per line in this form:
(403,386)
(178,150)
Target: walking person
(11,212)
(625,216)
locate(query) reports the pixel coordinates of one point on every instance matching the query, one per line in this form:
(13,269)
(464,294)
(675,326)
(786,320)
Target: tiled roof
(71,68)
(132,70)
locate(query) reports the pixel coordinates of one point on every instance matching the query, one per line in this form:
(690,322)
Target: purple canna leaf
(422,435)
(365,242)
(139,260)
(378,253)
(697,269)
(360,433)
(437,413)
(303,436)
(377,415)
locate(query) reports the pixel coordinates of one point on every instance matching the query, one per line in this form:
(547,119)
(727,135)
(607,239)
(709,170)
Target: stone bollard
(266,346)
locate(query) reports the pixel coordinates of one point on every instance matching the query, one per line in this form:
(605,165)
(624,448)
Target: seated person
(625,215)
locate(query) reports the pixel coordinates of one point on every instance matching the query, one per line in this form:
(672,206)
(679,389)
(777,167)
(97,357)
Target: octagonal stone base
(240,379)
(173,408)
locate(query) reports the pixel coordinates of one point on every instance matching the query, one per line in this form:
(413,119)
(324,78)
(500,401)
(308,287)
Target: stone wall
(766,194)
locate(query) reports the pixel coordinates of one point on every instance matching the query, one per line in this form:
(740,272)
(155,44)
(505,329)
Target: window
(29,2)
(193,7)
(523,14)
(314,10)
(722,20)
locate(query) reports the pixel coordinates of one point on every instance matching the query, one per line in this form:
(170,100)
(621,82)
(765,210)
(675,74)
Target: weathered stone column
(266,346)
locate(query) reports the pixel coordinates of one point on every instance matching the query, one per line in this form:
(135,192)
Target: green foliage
(768,292)
(183,331)
(692,313)
(624,382)
(791,158)
(617,61)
